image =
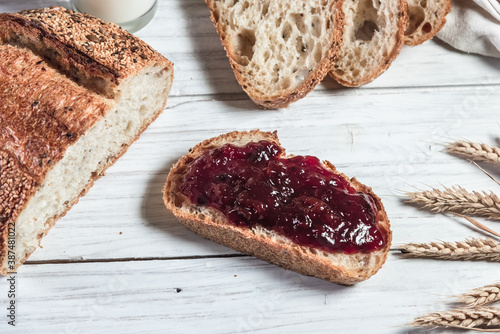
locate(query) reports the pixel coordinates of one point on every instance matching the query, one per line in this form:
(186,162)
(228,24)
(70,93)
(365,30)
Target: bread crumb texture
(372,38)
(426,18)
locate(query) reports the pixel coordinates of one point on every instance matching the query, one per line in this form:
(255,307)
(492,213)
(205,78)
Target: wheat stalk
(485,172)
(478,224)
(479,319)
(475,151)
(457,199)
(470,249)
(481,296)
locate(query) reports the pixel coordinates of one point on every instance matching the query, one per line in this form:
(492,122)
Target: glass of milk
(131,15)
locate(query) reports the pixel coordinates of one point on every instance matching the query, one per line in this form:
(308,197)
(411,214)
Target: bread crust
(82,42)
(413,39)
(42,112)
(400,39)
(291,95)
(264,244)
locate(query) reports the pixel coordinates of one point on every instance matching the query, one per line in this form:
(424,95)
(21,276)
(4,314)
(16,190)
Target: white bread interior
(279,50)
(372,38)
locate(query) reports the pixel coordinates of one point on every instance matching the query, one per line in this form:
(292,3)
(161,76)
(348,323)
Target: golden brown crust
(42,111)
(413,39)
(81,42)
(213,225)
(16,187)
(400,39)
(292,95)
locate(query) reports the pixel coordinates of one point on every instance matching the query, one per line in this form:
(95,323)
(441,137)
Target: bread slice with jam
(241,190)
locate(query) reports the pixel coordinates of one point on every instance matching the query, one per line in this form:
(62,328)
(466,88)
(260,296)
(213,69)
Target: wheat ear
(475,151)
(457,199)
(479,319)
(481,296)
(470,249)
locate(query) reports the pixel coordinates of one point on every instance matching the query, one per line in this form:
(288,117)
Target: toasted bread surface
(265,244)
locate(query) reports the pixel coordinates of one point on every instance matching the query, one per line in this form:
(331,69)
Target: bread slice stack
(279,50)
(263,243)
(75,92)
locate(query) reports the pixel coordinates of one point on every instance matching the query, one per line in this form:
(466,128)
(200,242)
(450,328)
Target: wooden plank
(388,141)
(232,295)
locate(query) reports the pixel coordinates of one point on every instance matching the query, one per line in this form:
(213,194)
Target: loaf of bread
(426,18)
(373,36)
(279,50)
(75,92)
(345,266)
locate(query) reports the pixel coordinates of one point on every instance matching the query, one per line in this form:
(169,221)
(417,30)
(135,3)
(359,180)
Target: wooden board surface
(114,263)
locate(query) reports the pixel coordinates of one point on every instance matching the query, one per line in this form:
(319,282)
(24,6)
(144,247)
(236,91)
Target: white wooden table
(118,262)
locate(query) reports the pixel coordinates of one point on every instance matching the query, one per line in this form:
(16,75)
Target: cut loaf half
(279,50)
(75,92)
(426,18)
(373,36)
(267,244)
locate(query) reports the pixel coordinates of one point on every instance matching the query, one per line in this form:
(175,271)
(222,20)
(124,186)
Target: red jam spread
(295,197)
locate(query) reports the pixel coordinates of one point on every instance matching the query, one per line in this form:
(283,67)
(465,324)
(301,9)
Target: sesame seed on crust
(83,43)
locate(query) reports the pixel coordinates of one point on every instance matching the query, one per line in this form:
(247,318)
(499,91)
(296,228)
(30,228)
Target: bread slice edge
(402,19)
(417,36)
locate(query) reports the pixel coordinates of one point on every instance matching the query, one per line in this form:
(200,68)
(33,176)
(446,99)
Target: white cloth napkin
(473,26)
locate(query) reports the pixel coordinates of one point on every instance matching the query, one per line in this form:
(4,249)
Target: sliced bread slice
(279,50)
(266,244)
(373,36)
(426,18)
(75,92)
